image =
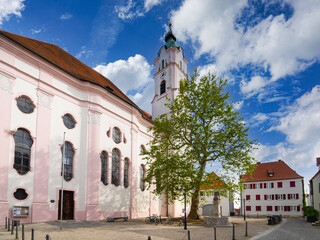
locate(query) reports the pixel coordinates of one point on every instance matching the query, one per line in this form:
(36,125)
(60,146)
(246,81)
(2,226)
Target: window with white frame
(257,185)
(293,208)
(280,196)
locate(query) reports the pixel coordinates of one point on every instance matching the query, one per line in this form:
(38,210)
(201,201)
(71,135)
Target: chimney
(318,162)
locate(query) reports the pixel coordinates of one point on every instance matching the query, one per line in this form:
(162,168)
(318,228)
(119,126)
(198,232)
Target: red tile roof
(66,62)
(213,181)
(279,169)
(315,175)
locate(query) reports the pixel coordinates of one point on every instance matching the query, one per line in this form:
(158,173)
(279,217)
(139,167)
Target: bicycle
(181,222)
(158,220)
(151,219)
(168,221)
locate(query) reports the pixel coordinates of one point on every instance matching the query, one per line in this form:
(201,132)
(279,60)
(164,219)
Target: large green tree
(202,128)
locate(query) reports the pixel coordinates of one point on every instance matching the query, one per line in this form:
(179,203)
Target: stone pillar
(216,204)
(134,172)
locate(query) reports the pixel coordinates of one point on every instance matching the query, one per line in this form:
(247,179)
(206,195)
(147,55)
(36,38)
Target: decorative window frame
(31,101)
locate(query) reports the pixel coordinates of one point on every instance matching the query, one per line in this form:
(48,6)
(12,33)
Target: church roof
(280,171)
(71,65)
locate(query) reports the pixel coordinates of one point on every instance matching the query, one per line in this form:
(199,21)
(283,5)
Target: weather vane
(170,24)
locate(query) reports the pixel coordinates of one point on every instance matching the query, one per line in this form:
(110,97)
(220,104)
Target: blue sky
(268,50)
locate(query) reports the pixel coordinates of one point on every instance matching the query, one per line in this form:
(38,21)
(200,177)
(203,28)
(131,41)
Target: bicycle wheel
(147,220)
(170,221)
(156,221)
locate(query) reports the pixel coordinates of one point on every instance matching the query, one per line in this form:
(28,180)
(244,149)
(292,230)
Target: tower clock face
(163,74)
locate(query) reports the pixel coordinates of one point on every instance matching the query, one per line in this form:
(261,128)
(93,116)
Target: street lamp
(185,204)
(244,209)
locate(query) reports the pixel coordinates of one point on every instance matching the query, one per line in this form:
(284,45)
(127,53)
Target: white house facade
(273,189)
(315,189)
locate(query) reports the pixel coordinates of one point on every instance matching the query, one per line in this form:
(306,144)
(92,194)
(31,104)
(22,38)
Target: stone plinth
(216,221)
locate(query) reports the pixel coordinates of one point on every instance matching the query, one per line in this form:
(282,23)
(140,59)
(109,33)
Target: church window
(104,167)
(162,63)
(142,177)
(68,161)
(20,194)
(115,180)
(25,104)
(22,151)
(162,87)
(68,121)
(126,173)
(180,64)
(116,135)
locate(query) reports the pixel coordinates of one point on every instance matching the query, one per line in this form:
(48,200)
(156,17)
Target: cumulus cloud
(133,77)
(10,7)
(279,45)
(238,105)
(65,16)
(148,4)
(36,31)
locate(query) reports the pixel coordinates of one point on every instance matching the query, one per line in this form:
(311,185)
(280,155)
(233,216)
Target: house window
(257,197)
(104,167)
(268,185)
(162,63)
(248,208)
(258,208)
(180,64)
(276,208)
(292,183)
(67,160)
(22,151)
(269,208)
(20,194)
(247,197)
(279,197)
(116,135)
(126,173)
(68,121)
(25,104)
(142,177)
(293,208)
(115,180)
(279,184)
(257,185)
(162,87)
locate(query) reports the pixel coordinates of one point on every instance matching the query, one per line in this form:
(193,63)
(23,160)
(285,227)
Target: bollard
(17,230)
(188,235)
(215,232)
(22,232)
(32,234)
(12,227)
(233,237)
(149,238)
(47,237)
(9,225)
(6,222)
(246,235)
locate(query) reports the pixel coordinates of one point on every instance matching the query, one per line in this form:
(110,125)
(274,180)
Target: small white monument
(217,219)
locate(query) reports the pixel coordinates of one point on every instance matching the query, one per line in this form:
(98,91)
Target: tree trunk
(194,210)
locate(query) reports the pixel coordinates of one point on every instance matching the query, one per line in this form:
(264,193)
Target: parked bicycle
(181,222)
(168,221)
(158,220)
(151,219)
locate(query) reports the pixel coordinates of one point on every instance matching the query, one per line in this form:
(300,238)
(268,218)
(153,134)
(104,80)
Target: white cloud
(10,7)
(277,45)
(238,105)
(128,12)
(148,4)
(132,75)
(253,86)
(65,16)
(84,52)
(36,31)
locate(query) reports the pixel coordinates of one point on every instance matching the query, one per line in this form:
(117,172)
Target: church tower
(170,69)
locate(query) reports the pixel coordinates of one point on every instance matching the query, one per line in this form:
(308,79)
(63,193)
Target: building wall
(277,206)
(55,93)
(207,198)
(316,192)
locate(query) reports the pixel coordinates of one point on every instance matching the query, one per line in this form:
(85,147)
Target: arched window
(20,194)
(126,173)
(68,161)
(23,143)
(162,63)
(116,135)
(104,167)
(25,104)
(163,87)
(142,177)
(69,121)
(115,167)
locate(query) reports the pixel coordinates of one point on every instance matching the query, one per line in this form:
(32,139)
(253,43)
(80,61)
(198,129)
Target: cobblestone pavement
(291,229)
(135,230)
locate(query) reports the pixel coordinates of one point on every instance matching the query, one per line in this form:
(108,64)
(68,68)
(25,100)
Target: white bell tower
(170,69)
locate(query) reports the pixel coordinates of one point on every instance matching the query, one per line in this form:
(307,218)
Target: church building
(47,95)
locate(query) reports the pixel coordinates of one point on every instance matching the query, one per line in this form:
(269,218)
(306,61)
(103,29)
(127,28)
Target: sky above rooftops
(268,50)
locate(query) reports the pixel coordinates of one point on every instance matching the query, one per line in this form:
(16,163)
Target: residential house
(315,188)
(273,189)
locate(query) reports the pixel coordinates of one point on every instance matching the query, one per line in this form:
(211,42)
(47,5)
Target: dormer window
(270,173)
(162,87)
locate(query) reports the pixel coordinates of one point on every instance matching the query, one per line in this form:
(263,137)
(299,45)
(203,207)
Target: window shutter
(247,197)
(272,185)
(284,196)
(288,207)
(251,187)
(272,196)
(265,185)
(276,196)
(276,208)
(254,186)
(261,185)
(279,184)
(298,208)
(257,197)
(297,196)
(265,197)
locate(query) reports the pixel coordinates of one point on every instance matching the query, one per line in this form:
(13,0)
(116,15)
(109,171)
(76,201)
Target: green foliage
(202,128)
(303,195)
(310,211)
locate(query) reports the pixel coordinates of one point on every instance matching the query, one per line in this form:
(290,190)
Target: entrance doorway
(68,205)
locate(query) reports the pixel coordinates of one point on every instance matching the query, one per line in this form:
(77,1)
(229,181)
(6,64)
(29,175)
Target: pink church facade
(44,95)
